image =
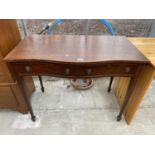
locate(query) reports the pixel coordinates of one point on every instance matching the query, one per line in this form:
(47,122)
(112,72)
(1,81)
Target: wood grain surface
(147,47)
(10,95)
(76,49)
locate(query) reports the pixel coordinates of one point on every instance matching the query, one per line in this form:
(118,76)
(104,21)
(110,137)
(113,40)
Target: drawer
(107,70)
(44,69)
(76,70)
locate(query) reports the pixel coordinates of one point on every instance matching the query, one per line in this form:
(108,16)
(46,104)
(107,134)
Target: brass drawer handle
(67,71)
(27,68)
(127,69)
(89,71)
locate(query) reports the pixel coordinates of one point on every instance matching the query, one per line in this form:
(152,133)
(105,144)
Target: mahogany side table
(72,56)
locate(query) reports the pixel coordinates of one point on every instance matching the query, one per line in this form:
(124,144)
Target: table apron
(74,71)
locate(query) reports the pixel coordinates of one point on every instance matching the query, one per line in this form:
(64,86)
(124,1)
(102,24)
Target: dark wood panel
(55,69)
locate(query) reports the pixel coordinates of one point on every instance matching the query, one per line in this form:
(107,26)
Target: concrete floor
(64,110)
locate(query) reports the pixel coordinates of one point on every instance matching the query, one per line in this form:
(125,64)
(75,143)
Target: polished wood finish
(76,50)
(74,70)
(10,94)
(76,57)
(147,47)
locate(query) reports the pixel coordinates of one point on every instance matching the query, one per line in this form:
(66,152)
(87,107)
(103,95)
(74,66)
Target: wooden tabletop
(76,49)
(146,46)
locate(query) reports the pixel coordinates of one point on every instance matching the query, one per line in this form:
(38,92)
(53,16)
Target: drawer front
(62,70)
(44,69)
(107,70)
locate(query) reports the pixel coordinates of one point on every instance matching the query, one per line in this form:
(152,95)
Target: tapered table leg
(41,84)
(21,82)
(110,83)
